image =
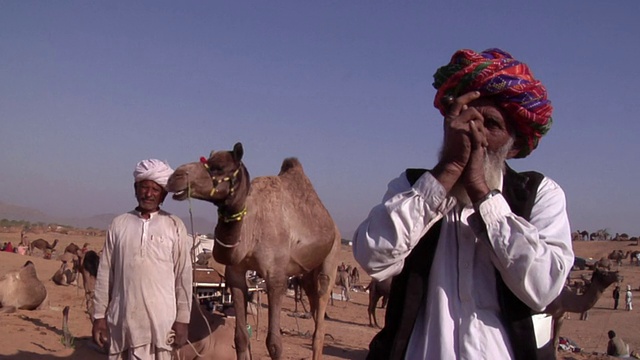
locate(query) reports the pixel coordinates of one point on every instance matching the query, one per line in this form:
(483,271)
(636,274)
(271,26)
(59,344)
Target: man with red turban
(476,250)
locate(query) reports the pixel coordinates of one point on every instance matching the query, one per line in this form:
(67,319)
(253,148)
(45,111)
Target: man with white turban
(144,284)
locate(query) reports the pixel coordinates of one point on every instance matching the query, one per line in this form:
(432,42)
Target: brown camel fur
(210,336)
(570,301)
(21,289)
(377,290)
(275,225)
(43,245)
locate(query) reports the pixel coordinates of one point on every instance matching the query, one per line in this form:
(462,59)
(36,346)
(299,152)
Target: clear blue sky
(88,88)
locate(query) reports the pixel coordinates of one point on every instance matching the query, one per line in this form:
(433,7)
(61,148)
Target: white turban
(154,170)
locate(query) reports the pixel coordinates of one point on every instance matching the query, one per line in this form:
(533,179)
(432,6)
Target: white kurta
(462,316)
(144,281)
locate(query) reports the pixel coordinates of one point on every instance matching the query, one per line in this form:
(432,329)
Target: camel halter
(217,180)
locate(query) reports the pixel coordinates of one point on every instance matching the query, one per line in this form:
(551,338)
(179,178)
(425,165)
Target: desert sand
(37,334)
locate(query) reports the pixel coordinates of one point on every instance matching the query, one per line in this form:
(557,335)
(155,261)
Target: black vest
(409,288)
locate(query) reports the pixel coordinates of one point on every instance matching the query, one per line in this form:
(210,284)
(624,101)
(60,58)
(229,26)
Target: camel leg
(240,293)
(322,291)
(276,289)
(373,302)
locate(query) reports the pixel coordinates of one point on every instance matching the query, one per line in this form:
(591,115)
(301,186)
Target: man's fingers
(457,105)
(477,136)
(97,338)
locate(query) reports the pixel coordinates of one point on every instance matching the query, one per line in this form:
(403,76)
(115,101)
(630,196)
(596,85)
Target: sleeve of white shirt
(394,227)
(101,295)
(183,273)
(534,257)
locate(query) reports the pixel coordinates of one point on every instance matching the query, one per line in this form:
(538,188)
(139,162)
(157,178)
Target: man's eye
(491,123)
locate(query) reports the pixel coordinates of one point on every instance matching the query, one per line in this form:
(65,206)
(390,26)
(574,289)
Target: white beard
(494,165)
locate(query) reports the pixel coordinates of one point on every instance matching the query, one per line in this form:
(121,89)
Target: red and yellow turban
(496,73)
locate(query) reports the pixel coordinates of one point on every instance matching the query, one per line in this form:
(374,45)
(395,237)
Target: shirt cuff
(183,315)
(432,191)
(494,209)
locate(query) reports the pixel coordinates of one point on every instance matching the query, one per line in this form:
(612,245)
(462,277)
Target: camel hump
(289,164)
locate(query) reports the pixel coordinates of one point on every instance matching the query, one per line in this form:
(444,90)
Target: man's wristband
(489,195)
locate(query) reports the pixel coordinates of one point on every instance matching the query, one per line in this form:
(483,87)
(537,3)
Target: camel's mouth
(180,195)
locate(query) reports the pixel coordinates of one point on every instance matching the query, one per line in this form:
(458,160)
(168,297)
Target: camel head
(221,179)
(606,277)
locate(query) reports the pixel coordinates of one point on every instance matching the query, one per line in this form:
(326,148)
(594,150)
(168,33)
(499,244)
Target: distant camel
(21,289)
(275,225)
(355,276)
(295,282)
(89,263)
(344,283)
(570,301)
(603,263)
(43,245)
(618,256)
(72,249)
(377,290)
(67,273)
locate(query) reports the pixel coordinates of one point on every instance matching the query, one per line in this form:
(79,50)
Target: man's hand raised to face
(473,176)
(457,145)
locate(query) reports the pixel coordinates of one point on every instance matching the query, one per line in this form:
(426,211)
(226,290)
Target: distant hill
(102,221)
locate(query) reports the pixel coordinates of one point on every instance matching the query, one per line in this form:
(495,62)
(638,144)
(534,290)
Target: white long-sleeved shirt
(144,281)
(461,318)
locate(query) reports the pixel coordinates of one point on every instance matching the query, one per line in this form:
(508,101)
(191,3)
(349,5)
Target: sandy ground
(37,334)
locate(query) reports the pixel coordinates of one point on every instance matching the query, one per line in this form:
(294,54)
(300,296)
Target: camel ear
(211,153)
(238,151)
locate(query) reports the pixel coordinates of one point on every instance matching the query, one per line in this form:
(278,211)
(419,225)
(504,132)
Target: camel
(603,263)
(570,301)
(618,256)
(210,336)
(377,290)
(72,249)
(21,289)
(43,245)
(275,225)
(355,276)
(68,272)
(89,263)
(344,282)
(295,282)
(635,255)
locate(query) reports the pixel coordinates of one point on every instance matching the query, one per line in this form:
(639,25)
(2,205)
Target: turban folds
(154,170)
(510,82)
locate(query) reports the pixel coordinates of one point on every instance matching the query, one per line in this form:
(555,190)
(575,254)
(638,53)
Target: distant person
(4,245)
(9,247)
(23,239)
(628,299)
(21,249)
(476,250)
(616,297)
(616,346)
(144,284)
